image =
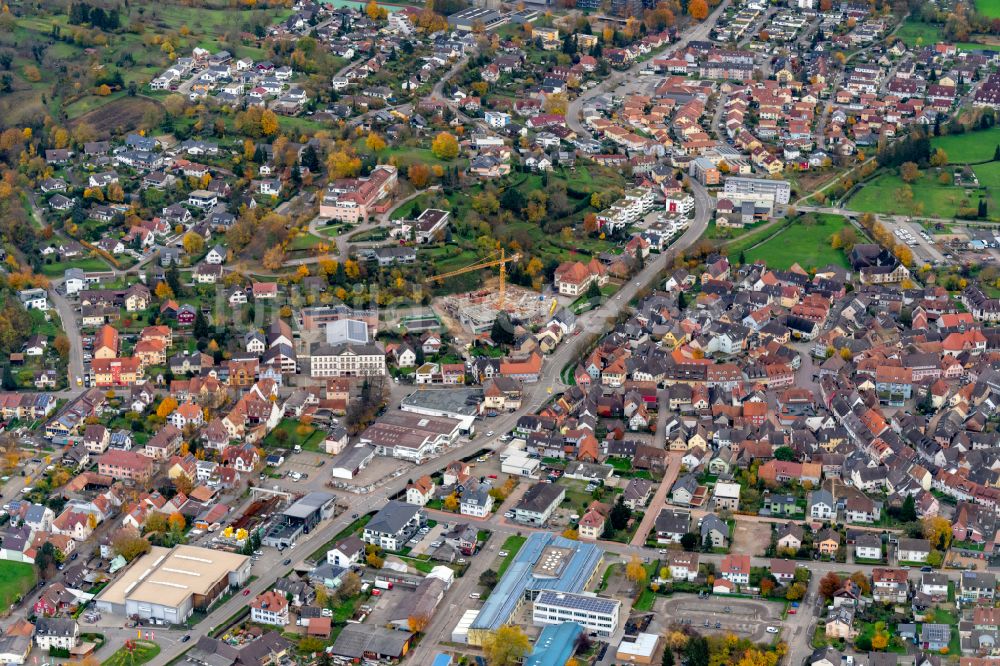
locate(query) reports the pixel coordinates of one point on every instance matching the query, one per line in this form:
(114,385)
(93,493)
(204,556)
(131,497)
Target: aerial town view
(500,333)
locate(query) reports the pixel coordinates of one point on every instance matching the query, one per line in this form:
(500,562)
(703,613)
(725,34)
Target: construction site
(475,311)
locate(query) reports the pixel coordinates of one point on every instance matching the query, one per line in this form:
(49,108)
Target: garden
(291,432)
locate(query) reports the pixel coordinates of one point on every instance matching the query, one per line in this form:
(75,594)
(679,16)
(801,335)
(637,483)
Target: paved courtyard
(746,618)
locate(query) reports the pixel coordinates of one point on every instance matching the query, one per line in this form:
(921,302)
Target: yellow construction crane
(486,263)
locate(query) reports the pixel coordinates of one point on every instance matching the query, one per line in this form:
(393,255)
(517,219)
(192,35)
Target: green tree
(620,514)
(784,453)
(696,652)
(908,513)
(46,559)
(488,579)
(200,329)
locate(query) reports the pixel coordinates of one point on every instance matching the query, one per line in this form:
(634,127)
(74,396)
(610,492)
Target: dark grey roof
(357,640)
(539,497)
(392,517)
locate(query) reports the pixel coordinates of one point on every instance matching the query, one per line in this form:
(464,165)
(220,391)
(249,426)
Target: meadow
(930,198)
(805,242)
(970,147)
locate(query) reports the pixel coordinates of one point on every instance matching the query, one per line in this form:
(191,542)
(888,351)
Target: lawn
(929,197)
(645,601)
(512,545)
(310,438)
(143,652)
(970,147)
(805,242)
(56,269)
(306,241)
(868,631)
(577,498)
(16,578)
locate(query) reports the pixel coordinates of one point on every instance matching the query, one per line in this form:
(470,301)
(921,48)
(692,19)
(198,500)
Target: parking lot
(421,542)
(745,617)
(916,238)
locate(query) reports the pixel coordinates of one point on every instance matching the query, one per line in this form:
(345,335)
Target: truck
(383,584)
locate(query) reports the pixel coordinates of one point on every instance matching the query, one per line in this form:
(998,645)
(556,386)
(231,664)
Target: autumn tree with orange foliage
(698,9)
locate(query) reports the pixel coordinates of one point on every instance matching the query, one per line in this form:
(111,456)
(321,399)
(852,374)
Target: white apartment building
(271,607)
(781,189)
(346,360)
(628,210)
(596,614)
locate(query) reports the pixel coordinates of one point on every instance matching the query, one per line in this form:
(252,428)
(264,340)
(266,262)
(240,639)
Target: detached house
(890,586)
(421,491)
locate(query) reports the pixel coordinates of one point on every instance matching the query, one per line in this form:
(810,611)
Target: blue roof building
(555,645)
(442,660)
(545,562)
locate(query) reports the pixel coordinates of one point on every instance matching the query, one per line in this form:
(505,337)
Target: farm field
(803,242)
(16,578)
(916,33)
(970,147)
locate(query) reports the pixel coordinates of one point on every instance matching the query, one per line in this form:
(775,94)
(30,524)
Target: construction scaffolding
(475,311)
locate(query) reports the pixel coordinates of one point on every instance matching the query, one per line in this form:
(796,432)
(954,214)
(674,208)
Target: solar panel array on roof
(583,602)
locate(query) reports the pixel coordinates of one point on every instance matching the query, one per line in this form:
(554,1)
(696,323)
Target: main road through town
(269,568)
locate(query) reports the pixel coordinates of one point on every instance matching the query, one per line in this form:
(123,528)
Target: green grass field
(914,33)
(512,545)
(970,147)
(311,440)
(989,176)
(57,269)
(802,243)
(989,8)
(16,578)
(880,196)
(144,651)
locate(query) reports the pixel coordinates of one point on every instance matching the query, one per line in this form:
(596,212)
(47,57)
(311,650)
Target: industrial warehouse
(169,584)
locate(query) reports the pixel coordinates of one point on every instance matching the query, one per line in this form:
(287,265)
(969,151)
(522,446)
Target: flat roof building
(170,584)
(300,518)
(597,614)
(639,650)
(453,403)
(468,19)
(545,562)
(353,331)
(782,189)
